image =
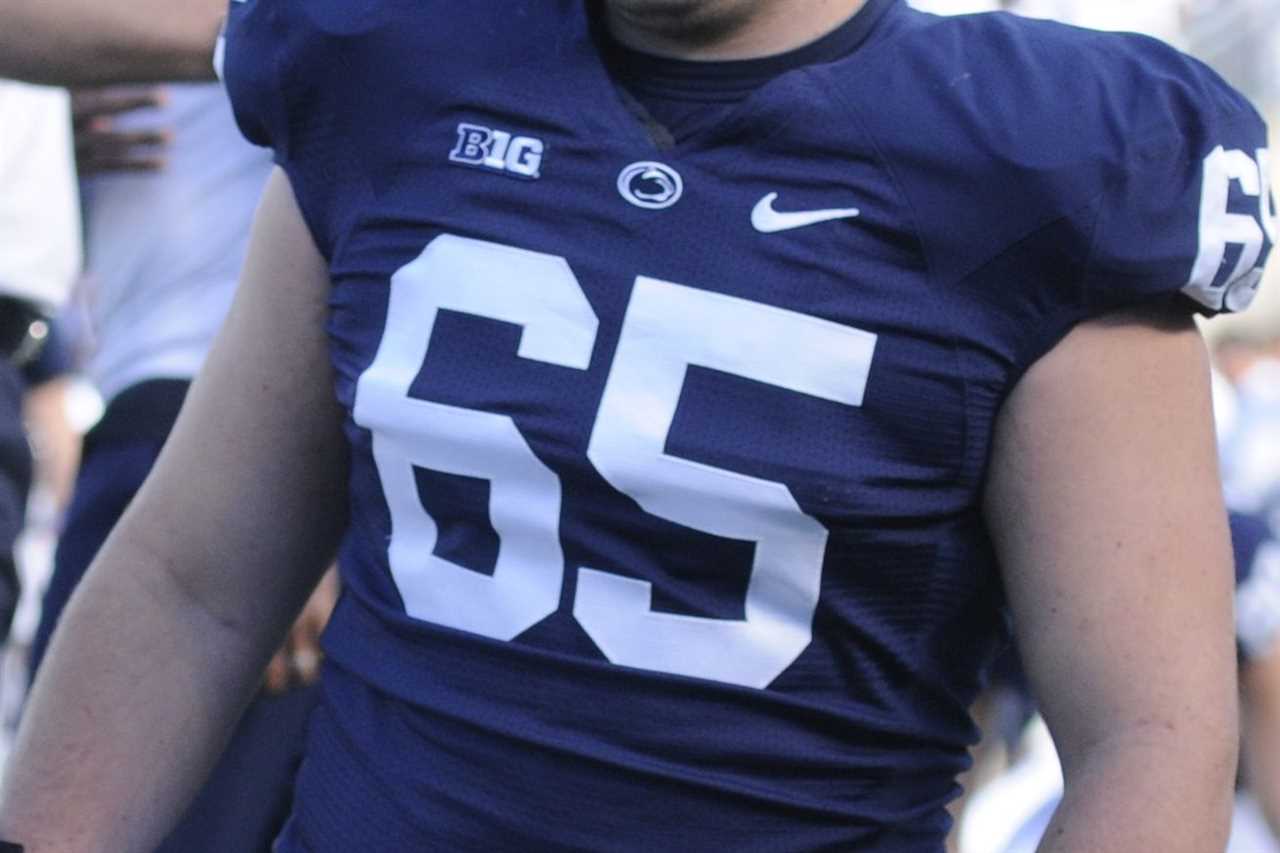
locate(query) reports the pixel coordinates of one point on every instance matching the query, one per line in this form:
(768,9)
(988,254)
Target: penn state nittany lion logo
(650,185)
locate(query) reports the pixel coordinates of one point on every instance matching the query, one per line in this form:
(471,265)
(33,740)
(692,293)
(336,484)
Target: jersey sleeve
(1055,174)
(287,66)
(1186,205)
(248,62)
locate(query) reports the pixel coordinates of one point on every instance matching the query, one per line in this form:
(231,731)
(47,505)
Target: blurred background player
(39,260)
(142,366)
(169,192)
(1249,359)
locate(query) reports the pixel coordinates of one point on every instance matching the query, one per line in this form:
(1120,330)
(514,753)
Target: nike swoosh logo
(766,220)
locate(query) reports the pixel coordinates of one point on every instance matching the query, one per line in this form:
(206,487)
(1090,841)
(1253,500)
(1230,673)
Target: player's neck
(724,29)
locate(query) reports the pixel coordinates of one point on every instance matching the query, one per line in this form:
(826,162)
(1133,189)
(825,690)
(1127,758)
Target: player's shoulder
(1116,137)
(298,61)
(1051,61)
(1046,93)
(371,24)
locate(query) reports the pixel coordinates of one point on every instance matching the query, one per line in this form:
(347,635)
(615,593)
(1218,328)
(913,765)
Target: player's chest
(757,305)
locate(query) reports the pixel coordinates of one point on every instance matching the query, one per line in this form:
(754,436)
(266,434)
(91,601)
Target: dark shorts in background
(15,480)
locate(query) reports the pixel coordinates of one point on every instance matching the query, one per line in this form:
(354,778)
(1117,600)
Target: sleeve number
(1219,228)
(667,328)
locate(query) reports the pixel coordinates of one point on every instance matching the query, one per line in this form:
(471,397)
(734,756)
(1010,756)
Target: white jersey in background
(1251,450)
(165,248)
(1160,18)
(955,7)
(1241,40)
(39,209)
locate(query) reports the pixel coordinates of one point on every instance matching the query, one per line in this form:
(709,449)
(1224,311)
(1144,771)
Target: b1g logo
(498,150)
(1221,227)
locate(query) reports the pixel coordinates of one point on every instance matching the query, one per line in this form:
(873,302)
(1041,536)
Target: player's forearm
(68,42)
(129,712)
(1170,792)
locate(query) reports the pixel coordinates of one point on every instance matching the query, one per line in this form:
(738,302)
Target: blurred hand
(100,146)
(297,663)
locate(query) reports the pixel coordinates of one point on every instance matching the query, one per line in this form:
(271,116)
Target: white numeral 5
(667,328)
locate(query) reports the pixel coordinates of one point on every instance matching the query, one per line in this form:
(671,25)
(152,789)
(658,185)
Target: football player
(701,380)
(1257,549)
(39,261)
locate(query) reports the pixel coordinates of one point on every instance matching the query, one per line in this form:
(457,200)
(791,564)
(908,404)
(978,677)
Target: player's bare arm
(258,448)
(1105,507)
(68,42)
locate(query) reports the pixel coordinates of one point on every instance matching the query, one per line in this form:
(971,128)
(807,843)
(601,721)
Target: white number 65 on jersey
(667,328)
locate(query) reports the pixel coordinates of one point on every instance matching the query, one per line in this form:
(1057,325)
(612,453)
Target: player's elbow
(1163,780)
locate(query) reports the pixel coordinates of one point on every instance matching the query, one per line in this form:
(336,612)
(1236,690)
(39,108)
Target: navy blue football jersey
(667,459)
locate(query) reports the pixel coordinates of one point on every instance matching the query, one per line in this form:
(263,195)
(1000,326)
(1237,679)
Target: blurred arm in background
(67,42)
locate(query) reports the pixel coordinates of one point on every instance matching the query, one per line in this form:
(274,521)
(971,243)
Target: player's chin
(690,20)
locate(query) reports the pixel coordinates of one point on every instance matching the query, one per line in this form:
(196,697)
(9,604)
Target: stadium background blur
(1239,38)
